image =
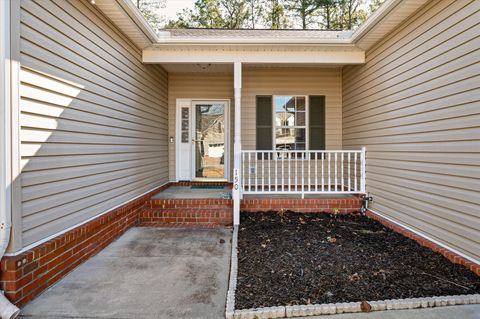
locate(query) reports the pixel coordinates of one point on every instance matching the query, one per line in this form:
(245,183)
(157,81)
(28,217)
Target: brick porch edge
(454,258)
(25,276)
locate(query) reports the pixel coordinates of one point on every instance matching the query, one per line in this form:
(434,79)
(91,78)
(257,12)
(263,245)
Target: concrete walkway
(147,273)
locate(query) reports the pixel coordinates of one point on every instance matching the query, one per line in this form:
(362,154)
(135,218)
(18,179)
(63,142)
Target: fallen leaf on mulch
(331,239)
(365,306)
(354,277)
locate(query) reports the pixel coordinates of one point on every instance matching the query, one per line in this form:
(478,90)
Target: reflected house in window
(290,122)
(210,129)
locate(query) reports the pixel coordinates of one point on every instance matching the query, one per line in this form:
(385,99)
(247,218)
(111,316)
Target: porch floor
(146,273)
(298,196)
(187,192)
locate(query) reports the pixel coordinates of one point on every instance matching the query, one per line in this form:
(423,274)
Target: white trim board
(5,115)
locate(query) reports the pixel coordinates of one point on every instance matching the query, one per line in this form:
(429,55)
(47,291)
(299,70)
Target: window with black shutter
(289,123)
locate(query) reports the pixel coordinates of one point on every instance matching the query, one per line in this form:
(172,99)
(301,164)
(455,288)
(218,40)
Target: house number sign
(236,179)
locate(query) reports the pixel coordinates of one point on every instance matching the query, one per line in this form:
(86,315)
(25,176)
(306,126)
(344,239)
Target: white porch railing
(303,172)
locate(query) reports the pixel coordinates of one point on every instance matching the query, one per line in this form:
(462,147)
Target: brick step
(191,203)
(205,216)
(330,205)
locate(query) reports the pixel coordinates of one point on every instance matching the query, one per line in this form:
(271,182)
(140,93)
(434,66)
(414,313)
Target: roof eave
(124,14)
(364,37)
(255,41)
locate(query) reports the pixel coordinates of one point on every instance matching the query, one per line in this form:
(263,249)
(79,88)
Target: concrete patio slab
(146,273)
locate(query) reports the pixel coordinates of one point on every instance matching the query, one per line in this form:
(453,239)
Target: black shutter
(316,119)
(264,123)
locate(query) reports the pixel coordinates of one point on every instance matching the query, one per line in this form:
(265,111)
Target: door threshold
(210,180)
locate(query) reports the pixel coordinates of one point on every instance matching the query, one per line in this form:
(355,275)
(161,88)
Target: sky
(174,6)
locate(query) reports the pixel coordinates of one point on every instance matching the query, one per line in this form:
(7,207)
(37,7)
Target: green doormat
(208,186)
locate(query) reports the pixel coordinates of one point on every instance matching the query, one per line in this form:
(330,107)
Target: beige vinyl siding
(196,86)
(93,117)
(293,81)
(415,106)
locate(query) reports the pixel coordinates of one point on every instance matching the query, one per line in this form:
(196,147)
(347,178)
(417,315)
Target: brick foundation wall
(340,205)
(454,258)
(25,276)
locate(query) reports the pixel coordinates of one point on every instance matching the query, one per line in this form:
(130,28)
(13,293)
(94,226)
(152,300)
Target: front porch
(271,130)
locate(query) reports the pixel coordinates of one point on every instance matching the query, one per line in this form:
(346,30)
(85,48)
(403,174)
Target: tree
(374,5)
(341,14)
(327,12)
(235,13)
(150,10)
(274,15)
(255,9)
(302,9)
(232,14)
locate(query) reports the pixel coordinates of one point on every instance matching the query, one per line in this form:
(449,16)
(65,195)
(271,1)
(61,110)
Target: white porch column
(237,145)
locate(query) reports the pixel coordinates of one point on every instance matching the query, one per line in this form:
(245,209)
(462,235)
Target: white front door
(202,140)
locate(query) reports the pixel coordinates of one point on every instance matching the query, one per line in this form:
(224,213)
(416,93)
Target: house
(98,113)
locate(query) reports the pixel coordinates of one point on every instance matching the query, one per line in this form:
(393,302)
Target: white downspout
(7,309)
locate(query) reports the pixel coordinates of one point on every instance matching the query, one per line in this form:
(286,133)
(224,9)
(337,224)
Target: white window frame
(307,120)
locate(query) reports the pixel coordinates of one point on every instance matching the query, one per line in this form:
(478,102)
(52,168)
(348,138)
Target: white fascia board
(338,57)
(258,40)
(138,19)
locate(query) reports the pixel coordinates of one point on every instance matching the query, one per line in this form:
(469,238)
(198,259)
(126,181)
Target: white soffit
(383,21)
(129,20)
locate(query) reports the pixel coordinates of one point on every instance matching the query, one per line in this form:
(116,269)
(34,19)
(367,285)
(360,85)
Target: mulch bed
(290,259)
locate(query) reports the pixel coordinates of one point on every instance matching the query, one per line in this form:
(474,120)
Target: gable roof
(390,14)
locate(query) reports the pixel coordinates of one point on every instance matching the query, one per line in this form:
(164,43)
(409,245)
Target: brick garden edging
(454,258)
(232,284)
(332,205)
(25,276)
(354,307)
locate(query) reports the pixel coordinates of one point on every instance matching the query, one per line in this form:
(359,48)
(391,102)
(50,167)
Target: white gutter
(329,37)
(7,309)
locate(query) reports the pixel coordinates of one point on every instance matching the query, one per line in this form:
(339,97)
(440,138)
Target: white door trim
(192,102)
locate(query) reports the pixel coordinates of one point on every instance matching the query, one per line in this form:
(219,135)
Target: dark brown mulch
(320,258)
